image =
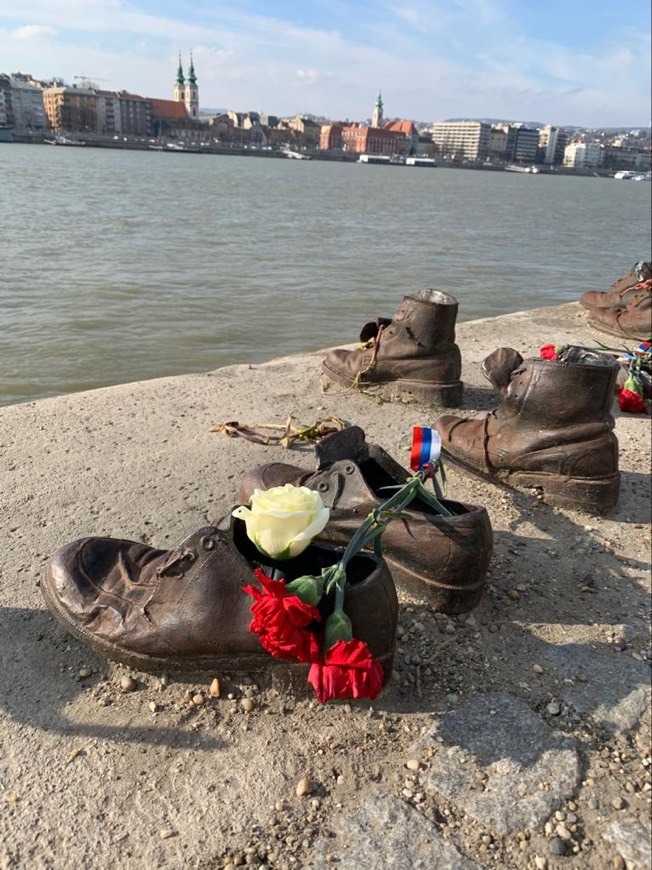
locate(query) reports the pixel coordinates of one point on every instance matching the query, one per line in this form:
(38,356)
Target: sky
(568,62)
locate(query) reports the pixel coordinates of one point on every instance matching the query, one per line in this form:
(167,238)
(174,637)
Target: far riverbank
(130,143)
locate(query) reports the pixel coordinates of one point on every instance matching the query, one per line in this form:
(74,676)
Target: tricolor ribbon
(426,447)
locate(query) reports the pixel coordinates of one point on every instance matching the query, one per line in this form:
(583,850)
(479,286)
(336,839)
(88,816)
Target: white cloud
(431,58)
(33,31)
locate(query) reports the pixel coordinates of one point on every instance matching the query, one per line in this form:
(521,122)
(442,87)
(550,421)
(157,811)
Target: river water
(117,266)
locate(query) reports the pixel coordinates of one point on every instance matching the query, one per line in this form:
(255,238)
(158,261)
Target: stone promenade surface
(515,736)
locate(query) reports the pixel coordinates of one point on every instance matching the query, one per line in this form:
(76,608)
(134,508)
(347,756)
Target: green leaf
(309,589)
(338,627)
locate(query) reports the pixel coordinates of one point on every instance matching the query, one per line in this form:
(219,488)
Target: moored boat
(296,155)
(517,167)
(63,140)
(375,158)
(420,161)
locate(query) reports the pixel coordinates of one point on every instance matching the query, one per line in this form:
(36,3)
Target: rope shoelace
(283,435)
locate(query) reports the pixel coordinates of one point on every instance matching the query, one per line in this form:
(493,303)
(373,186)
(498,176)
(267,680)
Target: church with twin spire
(186,90)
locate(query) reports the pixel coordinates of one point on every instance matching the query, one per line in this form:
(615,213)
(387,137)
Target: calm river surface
(121,266)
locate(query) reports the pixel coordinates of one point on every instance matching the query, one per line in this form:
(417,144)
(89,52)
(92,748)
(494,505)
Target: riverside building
(468,140)
(583,155)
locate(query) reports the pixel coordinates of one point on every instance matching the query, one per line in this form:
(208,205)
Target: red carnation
(281,621)
(548,351)
(347,671)
(631,402)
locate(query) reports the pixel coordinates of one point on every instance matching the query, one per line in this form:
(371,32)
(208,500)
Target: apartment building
(330,136)
(375,140)
(497,141)
(71,109)
(462,139)
(6,105)
(552,142)
(522,143)
(583,155)
(27,105)
(109,119)
(135,114)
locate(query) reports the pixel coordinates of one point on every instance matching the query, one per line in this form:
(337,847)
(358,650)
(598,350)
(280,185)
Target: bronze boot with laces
(618,295)
(631,321)
(413,356)
(184,609)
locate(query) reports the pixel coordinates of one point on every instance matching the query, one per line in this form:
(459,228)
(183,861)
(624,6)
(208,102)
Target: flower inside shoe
(443,559)
(185,609)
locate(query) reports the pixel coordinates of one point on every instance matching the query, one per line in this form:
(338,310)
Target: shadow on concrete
(478,399)
(39,674)
(570,580)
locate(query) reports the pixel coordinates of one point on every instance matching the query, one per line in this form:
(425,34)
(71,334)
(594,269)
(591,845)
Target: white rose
(283,520)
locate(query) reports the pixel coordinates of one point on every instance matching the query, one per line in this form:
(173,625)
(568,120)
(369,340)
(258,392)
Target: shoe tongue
(346,444)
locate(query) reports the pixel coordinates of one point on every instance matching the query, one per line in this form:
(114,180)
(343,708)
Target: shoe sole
(225,662)
(442,597)
(618,332)
(154,664)
(589,494)
(449,395)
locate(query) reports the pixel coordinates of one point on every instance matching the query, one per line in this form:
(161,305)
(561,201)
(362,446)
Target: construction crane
(88,82)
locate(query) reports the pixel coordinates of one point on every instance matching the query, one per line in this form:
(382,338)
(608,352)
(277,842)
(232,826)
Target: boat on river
(382,159)
(63,140)
(426,162)
(517,167)
(632,175)
(296,155)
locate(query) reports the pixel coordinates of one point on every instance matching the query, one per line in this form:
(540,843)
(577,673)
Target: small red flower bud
(548,351)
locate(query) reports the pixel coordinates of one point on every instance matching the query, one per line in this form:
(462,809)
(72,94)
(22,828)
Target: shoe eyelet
(349,468)
(190,557)
(208,542)
(322,486)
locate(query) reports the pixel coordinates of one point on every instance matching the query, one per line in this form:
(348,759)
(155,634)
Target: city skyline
(588,65)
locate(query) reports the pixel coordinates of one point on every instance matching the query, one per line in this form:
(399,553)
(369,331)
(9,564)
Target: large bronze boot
(554,431)
(413,356)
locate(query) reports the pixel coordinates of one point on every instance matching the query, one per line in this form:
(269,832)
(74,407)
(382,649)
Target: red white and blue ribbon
(426,447)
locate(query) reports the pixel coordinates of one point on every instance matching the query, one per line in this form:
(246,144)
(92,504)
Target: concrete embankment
(515,736)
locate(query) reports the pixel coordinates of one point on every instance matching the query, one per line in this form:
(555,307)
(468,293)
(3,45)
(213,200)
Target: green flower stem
(374,526)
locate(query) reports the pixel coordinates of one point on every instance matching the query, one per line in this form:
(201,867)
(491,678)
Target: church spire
(192,79)
(377,116)
(191,94)
(180,79)
(179,92)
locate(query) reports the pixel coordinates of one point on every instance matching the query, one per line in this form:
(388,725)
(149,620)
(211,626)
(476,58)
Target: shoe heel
(593,495)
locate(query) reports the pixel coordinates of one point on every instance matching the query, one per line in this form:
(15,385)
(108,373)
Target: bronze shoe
(413,356)
(620,291)
(632,321)
(184,609)
(553,431)
(441,559)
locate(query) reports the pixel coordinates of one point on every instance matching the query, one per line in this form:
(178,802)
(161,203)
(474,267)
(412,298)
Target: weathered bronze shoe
(554,430)
(442,559)
(184,609)
(633,320)
(620,291)
(412,356)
